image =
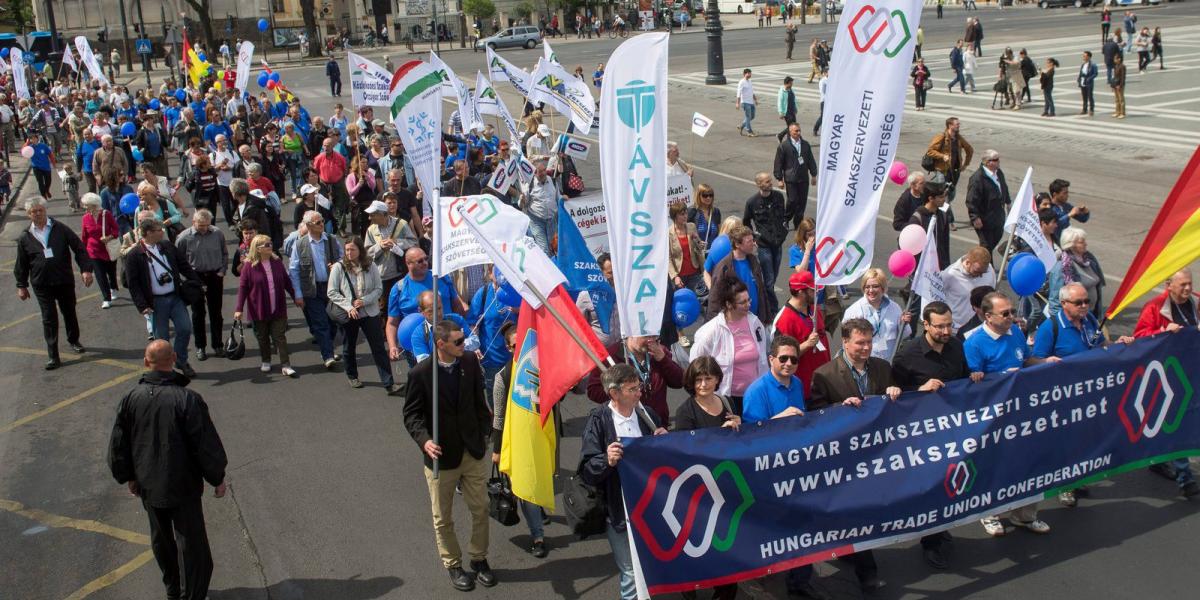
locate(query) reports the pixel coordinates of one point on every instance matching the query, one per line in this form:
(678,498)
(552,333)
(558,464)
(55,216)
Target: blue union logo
(635,104)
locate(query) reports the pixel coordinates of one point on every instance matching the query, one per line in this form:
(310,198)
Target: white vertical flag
(927,279)
(485,96)
(496,70)
(245,54)
(69,59)
(89,60)
(18,73)
(548,53)
(1023,219)
(633,106)
(459,90)
(520,79)
(568,94)
(416,107)
(369,82)
(862,130)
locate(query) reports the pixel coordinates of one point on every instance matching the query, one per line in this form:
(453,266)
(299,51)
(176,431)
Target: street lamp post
(716,58)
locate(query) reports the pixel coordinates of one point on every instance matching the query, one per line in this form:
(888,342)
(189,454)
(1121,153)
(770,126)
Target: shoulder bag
(336,313)
(502,503)
(113,246)
(235,345)
(191,291)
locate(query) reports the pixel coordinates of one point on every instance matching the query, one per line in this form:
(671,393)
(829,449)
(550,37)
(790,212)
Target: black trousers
(225,198)
(797,200)
(43,182)
(1089,99)
(181,528)
(990,235)
(210,307)
(51,300)
(335,87)
(372,329)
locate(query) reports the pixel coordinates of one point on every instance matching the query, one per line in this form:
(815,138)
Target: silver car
(526,36)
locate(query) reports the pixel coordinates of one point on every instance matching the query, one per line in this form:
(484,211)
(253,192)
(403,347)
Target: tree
(19,13)
(524,9)
(310,26)
(203,10)
(480,9)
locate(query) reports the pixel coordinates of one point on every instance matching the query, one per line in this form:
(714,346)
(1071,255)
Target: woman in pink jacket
(98,228)
(260,293)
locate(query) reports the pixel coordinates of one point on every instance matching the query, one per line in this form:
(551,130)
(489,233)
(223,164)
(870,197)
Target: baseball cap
(543,129)
(376,207)
(308,188)
(802,281)
(257,193)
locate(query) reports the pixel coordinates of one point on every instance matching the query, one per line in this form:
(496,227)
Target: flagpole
(437,292)
(900,329)
(1007,252)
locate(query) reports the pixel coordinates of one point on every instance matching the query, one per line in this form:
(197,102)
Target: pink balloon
(27,151)
(901,263)
(912,239)
(898,173)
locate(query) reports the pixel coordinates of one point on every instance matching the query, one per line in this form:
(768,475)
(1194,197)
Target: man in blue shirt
(489,315)
(312,256)
(83,157)
(403,299)
(999,346)
(777,393)
(1059,192)
(422,337)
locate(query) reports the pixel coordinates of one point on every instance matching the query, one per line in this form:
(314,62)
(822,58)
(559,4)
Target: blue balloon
(263,78)
(263,24)
(509,296)
(181,95)
(202,57)
(719,249)
(407,327)
(275,77)
(4,53)
(686,307)
(155,104)
(129,203)
(137,154)
(128,129)
(1026,274)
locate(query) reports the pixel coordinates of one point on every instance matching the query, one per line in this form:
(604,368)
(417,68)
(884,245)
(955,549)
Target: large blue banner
(717,506)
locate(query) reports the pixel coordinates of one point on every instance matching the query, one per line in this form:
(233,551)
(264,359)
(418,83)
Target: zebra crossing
(1164,110)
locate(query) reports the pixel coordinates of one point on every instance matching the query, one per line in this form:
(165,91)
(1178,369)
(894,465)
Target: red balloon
(272,85)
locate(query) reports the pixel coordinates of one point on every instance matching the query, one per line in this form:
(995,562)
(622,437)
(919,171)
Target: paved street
(328,500)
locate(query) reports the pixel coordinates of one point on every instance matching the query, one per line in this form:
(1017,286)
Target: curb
(12,200)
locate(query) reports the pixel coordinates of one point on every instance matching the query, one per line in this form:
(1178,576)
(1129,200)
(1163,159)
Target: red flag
(567,361)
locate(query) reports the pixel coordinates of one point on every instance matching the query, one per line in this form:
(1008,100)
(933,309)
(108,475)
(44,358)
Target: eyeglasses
(1004,314)
(1084,302)
(265,245)
(788,358)
(631,389)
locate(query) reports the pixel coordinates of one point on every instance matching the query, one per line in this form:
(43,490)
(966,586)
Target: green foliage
(483,9)
(524,9)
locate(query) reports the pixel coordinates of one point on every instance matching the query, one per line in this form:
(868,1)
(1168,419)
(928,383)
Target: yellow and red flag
(192,64)
(1172,243)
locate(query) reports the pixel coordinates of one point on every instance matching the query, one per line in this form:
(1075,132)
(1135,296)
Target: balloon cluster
(912,242)
(1026,273)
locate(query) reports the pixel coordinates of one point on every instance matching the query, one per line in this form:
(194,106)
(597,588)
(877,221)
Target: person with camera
(163,284)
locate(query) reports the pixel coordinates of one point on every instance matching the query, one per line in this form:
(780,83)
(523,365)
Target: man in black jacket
(164,447)
(459,450)
(156,271)
(988,201)
(794,168)
(44,260)
(768,217)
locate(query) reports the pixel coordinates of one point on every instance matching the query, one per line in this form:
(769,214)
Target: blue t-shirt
(41,157)
(422,336)
(766,397)
(402,301)
(742,268)
(988,355)
(198,108)
(130,113)
(173,116)
(212,130)
(1071,339)
(494,314)
(84,152)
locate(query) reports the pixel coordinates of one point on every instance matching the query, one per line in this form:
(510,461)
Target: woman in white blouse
(889,319)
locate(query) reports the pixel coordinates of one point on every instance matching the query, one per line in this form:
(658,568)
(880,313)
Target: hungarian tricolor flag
(556,347)
(1170,245)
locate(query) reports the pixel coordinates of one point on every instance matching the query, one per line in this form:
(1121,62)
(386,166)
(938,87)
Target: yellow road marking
(38,314)
(69,401)
(59,521)
(112,576)
(129,366)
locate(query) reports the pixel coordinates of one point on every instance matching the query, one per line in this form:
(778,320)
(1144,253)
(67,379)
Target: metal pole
(1004,262)
(574,334)
(437,358)
(714,31)
(54,56)
(125,37)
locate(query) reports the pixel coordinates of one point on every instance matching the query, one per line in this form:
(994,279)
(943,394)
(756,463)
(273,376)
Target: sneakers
(1067,498)
(1036,525)
(329,362)
(992,526)
(106,304)
(288,371)
(355,383)
(265,367)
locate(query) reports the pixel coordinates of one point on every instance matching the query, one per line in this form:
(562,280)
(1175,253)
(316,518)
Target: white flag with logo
(1023,220)
(633,174)
(520,79)
(862,117)
(927,279)
(20,85)
(548,53)
(498,229)
(369,82)
(245,54)
(69,59)
(89,60)
(496,70)
(568,94)
(459,90)
(416,108)
(455,245)
(701,124)
(504,176)
(514,135)
(485,96)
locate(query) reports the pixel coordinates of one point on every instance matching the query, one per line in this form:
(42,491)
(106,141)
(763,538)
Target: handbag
(502,504)
(336,313)
(113,246)
(928,85)
(235,345)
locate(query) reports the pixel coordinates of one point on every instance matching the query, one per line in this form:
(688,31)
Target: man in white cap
(538,145)
(387,238)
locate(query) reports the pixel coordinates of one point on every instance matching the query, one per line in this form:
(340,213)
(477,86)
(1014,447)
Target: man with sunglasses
(999,347)
(778,393)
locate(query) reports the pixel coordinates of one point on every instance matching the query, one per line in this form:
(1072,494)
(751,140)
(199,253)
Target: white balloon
(912,239)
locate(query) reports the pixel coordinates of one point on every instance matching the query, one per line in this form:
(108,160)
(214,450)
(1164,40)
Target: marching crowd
(179,187)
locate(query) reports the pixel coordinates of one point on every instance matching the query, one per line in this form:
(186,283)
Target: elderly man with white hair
(204,248)
(44,263)
(313,255)
(988,201)
(108,161)
(909,201)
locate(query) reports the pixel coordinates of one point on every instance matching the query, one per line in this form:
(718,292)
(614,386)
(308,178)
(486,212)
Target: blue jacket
(494,315)
(83,155)
(1087,77)
(956,59)
(332,70)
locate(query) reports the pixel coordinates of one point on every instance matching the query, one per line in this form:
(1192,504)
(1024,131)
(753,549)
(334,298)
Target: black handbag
(191,291)
(502,504)
(235,345)
(584,507)
(336,313)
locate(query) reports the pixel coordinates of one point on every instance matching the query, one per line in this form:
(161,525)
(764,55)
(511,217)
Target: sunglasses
(1004,314)
(1083,302)
(788,358)
(460,341)
(707,195)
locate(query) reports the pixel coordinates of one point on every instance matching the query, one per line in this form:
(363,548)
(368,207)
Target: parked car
(526,36)
(1075,3)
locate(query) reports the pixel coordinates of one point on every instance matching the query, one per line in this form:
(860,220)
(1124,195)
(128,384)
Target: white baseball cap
(376,207)
(308,188)
(257,193)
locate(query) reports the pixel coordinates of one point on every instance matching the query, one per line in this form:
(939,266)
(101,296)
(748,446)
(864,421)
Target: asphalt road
(327,496)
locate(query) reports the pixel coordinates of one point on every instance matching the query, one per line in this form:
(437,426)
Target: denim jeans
(372,329)
(770,259)
(748,109)
(533,518)
(1183,471)
(489,378)
(1048,99)
(169,310)
(619,542)
(542,231)
(959,79)
(319,325)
